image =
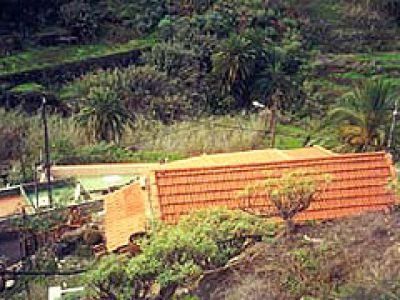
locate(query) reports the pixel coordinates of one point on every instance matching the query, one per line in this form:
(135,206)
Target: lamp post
(392,127)
(264,116)
(47,151)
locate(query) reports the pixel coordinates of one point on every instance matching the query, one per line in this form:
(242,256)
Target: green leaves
(291,192)
(234,61)
(104,115)
(111,99)
(175,255)
(363,116)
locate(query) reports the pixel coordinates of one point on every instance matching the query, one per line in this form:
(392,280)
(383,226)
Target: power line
(42,273)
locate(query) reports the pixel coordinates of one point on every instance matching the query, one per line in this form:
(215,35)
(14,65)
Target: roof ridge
(332,159)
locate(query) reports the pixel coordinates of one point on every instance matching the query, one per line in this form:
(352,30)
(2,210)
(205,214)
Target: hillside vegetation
(157,80)
(202,65)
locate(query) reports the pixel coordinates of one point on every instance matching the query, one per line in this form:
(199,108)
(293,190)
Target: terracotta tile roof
(125,213)
(10,205)
(359,183)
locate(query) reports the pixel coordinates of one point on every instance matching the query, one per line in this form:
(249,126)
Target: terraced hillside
(353,46)
(347,27)
(336,74)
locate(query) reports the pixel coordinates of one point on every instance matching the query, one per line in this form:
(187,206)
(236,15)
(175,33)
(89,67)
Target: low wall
(102,169)
(65,72)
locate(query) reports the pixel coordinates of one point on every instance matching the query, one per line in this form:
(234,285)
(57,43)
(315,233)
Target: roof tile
(359,183)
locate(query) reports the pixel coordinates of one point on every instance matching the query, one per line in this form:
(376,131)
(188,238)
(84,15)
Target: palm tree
(234,63)
(364,116)
(274,87)
(104,115)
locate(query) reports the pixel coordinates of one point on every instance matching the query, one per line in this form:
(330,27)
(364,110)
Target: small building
(97,180)
(359,183)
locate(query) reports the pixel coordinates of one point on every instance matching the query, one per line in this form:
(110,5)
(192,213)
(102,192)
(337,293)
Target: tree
(290,193)
(80,17)
(14,128)
(276,87)
(364,116)
(234,63)
(104,115)
(140,90)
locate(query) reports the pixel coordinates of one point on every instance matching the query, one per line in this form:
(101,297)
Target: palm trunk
(265,119)
(273,120)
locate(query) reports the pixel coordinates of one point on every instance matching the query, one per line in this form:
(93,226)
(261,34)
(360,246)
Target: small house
(360,182)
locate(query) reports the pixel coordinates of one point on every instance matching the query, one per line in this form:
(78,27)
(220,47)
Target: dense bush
(142,16)
(389,7)
(81,19)
(143,91)
(194,137)
(175,255)
(12,133)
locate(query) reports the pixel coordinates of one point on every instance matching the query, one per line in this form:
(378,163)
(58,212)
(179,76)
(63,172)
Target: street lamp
(264,116)
(258,104)
(47,151)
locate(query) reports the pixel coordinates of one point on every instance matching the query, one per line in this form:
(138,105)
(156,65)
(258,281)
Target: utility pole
(47,152)
(35,174)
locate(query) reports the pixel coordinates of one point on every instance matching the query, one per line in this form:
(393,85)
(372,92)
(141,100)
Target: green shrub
(142,90)
(141,16)
(175,255)
(203,135)
(290,193)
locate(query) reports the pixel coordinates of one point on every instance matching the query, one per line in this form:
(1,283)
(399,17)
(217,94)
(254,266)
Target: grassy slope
(351,258)
(48,56)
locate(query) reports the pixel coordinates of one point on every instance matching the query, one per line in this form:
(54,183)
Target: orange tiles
(10,205)
(359,183)
(125,215)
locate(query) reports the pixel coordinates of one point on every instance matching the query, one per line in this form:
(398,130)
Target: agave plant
(363,117)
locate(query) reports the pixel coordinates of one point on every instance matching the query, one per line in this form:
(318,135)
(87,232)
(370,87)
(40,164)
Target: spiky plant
(362,117)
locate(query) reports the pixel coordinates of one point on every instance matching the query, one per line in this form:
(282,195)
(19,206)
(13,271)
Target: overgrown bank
(352,258)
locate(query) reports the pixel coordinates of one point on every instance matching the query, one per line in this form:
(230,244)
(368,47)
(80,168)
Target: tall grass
(148,140)
(205,135)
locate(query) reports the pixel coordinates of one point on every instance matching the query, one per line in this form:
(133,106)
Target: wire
(42,273)
(237,127)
